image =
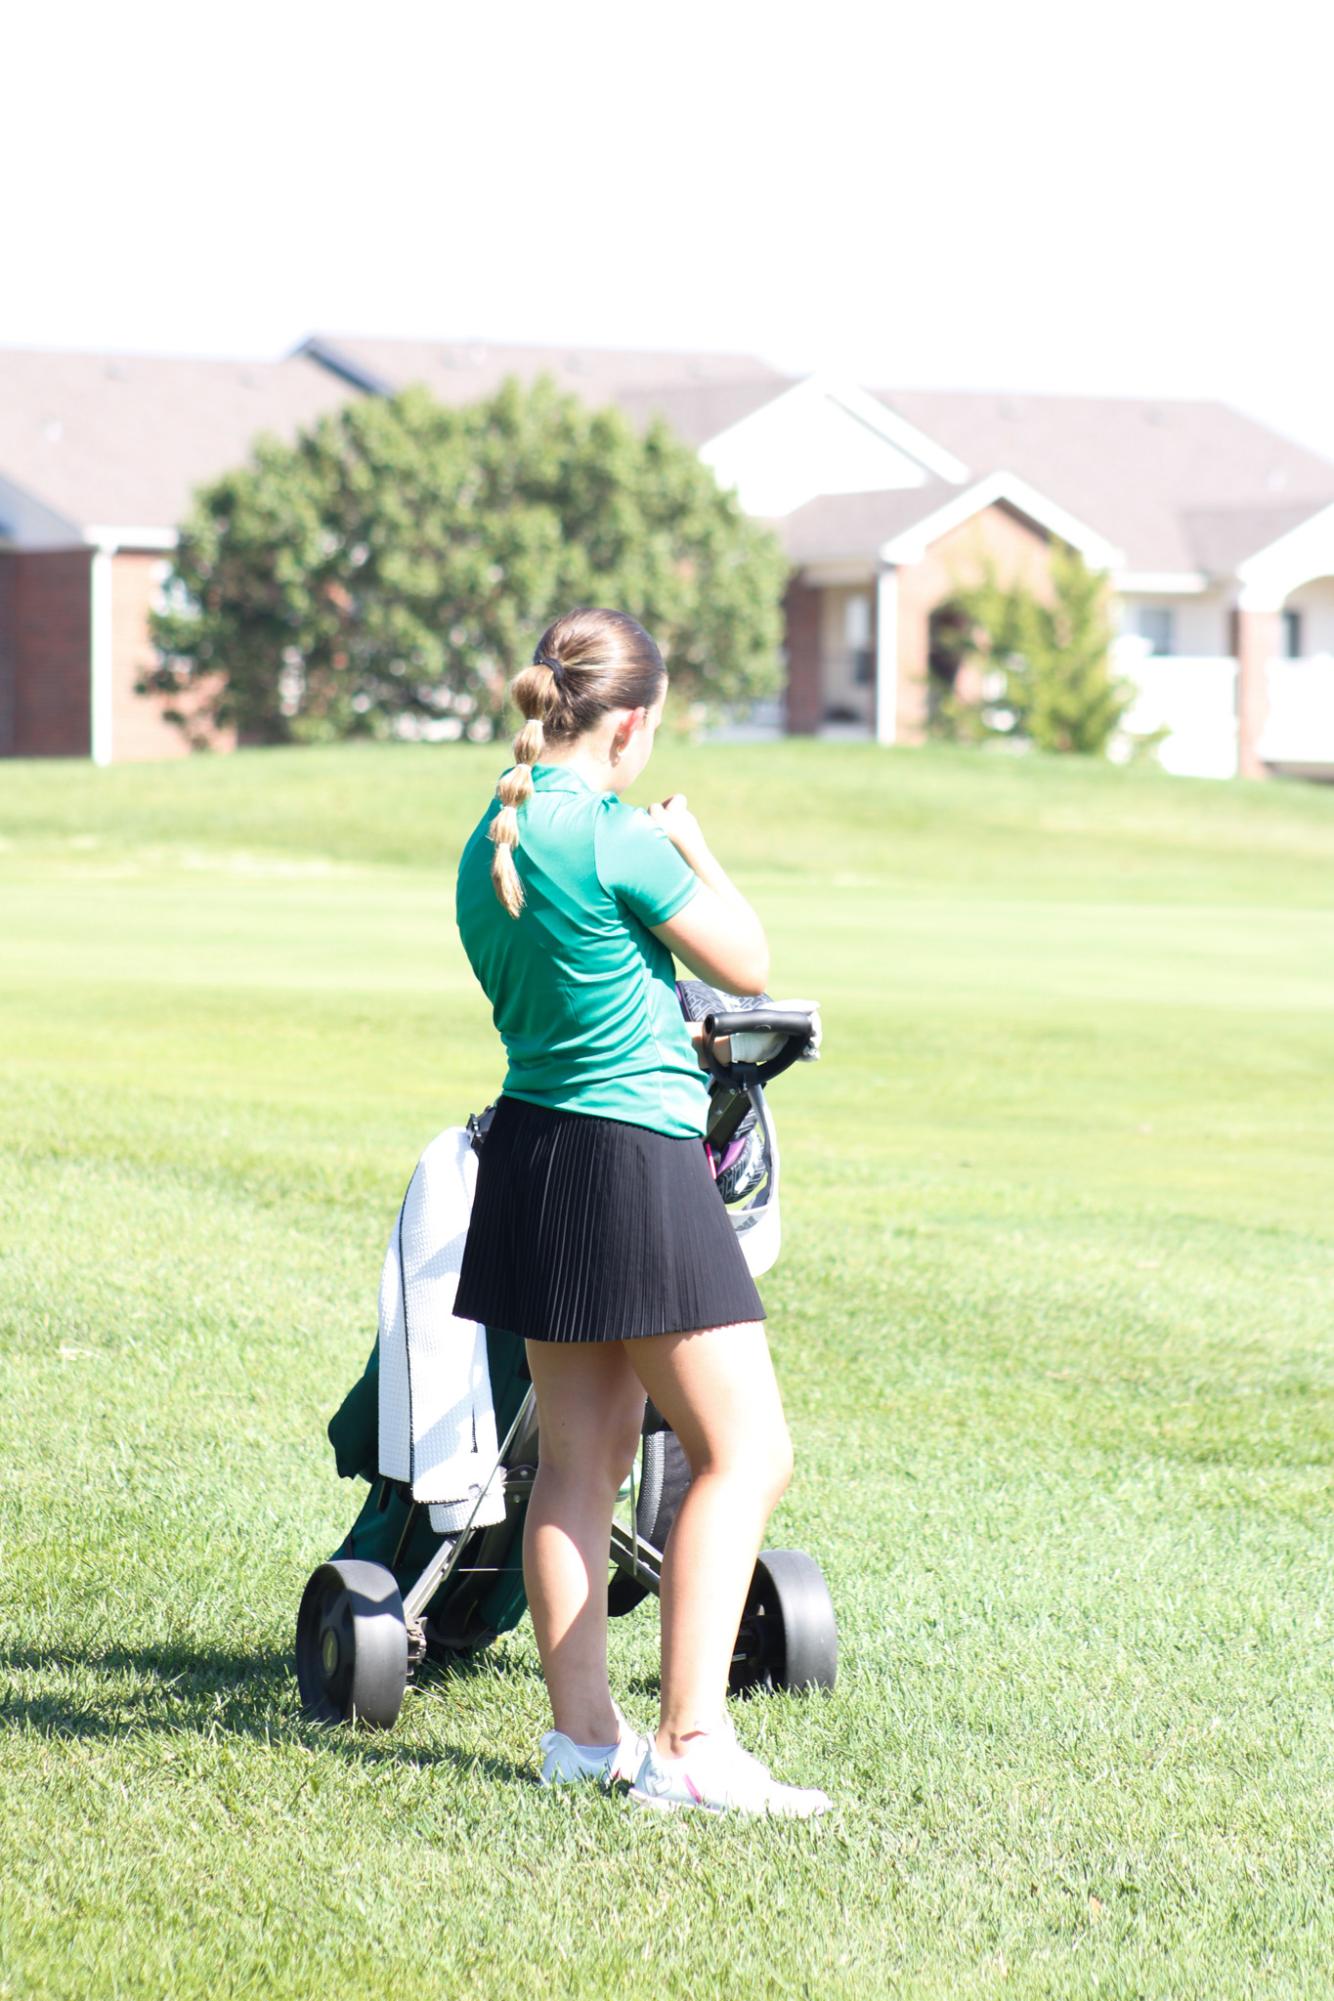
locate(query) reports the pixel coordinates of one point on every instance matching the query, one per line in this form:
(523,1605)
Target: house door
(848,662)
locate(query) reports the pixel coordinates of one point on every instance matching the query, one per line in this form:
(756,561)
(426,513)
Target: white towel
(437,1422)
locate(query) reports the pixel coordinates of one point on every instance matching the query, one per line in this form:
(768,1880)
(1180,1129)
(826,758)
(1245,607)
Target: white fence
(1193,698)
(1299,728)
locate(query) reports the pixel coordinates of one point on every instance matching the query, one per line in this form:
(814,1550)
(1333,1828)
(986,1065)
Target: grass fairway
(1052,1320)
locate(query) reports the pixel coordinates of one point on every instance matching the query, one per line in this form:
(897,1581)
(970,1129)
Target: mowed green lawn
(1053,1321)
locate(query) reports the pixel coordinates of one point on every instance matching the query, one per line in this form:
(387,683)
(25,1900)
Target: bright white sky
(1128,198)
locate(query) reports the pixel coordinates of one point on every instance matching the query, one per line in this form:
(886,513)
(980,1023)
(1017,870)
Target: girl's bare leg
(590,1405)
(716,1389)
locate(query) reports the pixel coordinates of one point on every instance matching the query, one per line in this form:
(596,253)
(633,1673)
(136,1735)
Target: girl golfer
(596,1232)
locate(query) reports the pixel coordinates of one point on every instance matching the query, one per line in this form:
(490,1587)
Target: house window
(857,638)
(1292,635)
(1155,624)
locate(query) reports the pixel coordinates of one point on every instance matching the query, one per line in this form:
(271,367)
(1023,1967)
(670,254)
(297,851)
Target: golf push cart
(403,1590)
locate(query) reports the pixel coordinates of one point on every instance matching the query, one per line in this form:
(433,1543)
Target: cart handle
(798,1028)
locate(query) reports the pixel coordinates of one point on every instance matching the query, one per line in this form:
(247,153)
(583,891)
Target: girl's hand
(681,828)
(722,1044)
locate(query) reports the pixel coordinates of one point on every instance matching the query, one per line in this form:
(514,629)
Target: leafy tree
(388,571)
(1053,657)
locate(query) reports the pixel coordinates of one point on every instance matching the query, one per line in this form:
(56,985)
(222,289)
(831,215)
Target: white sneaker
(718,1776)
(566,1763)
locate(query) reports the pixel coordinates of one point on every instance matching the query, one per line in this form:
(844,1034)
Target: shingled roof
(1223,537)
(121,440)
(1145,473)
(854,524)
(463,371)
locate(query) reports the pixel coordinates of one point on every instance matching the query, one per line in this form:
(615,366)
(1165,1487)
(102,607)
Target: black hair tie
(553,666)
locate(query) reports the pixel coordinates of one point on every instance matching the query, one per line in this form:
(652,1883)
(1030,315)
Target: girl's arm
(716,935)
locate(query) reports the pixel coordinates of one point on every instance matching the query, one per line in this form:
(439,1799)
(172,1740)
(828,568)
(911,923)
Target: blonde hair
(585,663)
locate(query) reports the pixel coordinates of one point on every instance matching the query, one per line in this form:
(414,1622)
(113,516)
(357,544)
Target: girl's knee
(760,1460)
(601,1457)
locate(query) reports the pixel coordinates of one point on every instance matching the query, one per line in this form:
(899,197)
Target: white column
(100,655)
(886,654)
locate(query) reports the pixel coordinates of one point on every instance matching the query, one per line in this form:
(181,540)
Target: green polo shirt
(581,991)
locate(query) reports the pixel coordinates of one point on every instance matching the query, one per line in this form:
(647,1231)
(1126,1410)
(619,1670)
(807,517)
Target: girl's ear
(625,729)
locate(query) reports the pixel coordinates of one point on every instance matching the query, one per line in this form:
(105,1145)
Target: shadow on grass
(213,1690)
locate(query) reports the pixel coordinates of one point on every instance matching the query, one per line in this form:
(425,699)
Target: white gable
(820,438)
(1303,554)
(911,546)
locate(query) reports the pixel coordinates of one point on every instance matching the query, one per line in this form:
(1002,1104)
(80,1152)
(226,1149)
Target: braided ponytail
(586,663)
(517,784)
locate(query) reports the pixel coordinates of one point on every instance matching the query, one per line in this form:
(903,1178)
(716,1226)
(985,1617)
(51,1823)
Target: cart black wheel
(788,1636)
(352,1645)
(662,1488)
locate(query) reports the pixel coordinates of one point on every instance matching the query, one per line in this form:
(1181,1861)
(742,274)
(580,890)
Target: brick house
(1218,535)
(98,455)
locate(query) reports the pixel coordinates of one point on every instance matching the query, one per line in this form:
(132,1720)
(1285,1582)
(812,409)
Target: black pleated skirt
(588,1229)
